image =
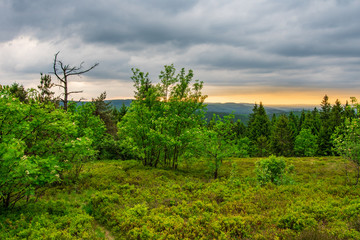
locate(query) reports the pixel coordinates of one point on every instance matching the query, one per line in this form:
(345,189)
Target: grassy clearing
(123,200)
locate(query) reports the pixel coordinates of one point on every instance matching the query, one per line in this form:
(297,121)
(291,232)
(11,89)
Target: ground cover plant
(125,200)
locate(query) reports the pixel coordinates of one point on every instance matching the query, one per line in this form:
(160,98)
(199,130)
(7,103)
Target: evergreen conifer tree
(282,139)
(324,137)
(294,124)
(104,111)
(259,129)
(301,120)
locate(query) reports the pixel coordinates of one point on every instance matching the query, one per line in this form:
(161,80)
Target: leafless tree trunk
(63,71)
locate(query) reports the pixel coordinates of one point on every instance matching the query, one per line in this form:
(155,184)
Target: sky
(277,52)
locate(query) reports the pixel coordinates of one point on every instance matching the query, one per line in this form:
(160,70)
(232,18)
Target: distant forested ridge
(240,111)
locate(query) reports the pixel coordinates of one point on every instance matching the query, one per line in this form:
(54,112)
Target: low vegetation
(125,200)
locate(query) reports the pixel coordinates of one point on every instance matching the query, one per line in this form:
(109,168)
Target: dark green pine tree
(324,137)
(105,112)
(301,120)
(120,113)
(315,122)
(312,123)
(273,120)
(336,115)
(282,138)
(294,124)
(45,93)
(19,92)
(239,128)
(259,131)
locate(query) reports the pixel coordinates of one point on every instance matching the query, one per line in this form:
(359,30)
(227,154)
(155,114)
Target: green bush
(272,169)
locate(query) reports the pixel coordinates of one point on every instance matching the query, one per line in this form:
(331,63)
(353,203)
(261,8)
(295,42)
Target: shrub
(272,170)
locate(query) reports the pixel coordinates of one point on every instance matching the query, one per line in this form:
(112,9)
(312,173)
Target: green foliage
(18,91)
(89,127)
(242,147)
(119,113)
(125,200)
(305,144)
(163,121)
(109,148)
(326,129)
(38,143)
(259,130)
(282,138)
(217,142)
(312,122)
(31,144)
(105,112)
(45,93)
(347,142)
(54,219)
(272,169)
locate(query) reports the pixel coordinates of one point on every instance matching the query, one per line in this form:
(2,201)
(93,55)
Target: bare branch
(54,67)
(66,71)
(82,72)
(74,92)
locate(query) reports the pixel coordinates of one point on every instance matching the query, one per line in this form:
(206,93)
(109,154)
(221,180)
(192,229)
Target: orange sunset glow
(276,96)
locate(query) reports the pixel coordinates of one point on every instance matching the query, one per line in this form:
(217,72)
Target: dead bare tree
(63,71)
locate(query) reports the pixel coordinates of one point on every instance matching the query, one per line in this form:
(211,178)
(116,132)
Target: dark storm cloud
(271,43)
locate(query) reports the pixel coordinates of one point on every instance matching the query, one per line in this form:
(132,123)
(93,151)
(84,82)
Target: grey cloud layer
(258,42)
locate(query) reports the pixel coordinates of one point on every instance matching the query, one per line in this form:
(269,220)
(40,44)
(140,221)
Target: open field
(124,200)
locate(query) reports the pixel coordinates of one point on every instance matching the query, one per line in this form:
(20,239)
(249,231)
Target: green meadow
(125,200)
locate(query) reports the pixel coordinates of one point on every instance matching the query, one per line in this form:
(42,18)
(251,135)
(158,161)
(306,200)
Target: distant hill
(119,102)
(240,110)
(237,108)
(246,108)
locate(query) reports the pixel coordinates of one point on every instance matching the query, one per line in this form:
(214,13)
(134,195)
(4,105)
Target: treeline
(309,134)
(46,139)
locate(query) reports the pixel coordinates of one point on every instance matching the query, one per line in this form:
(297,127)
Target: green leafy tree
(347,140)
(32,146)
(184,113)
(218,142)
(90,132)
(139,127)
(162,122)
(305,143)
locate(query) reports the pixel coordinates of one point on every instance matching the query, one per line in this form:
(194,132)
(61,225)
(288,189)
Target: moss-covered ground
(124,200)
